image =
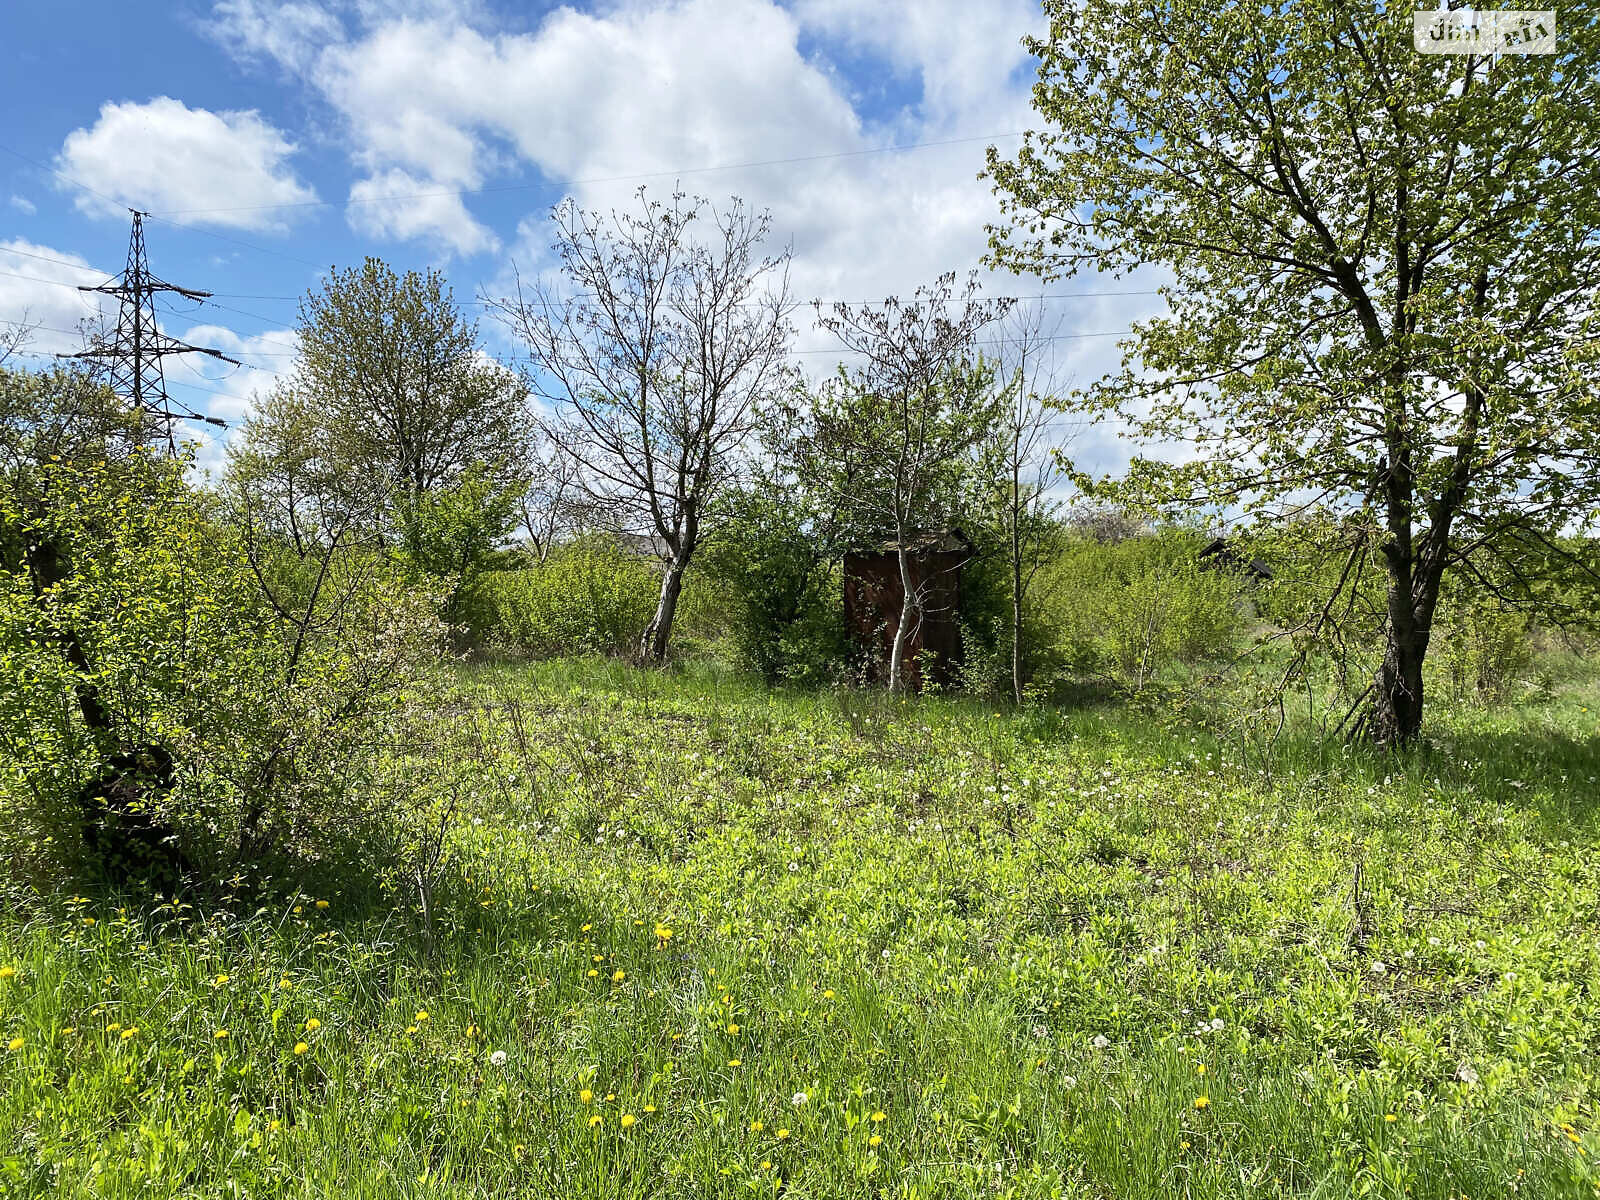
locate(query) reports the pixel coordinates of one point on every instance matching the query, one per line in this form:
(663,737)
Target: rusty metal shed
(873,597)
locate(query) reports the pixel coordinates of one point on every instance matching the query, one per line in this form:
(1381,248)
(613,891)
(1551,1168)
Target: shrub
(165,707)
(1482,651)
(1131,610)
(780,585)
(588,597)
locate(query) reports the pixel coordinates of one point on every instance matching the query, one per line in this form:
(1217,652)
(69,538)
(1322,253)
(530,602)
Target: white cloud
(166,157)
(292,34)
(437,216)
(965,54)
(434,97)
(39,287)
(23,205)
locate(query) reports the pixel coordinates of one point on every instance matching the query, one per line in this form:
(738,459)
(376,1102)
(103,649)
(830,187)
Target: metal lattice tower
(131,359)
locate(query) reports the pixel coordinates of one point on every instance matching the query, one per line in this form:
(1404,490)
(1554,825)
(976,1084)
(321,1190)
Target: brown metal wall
(872,600)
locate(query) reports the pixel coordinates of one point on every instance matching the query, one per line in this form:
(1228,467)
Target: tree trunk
(653,646)
(1397,692)
(908,609)
(1016,605)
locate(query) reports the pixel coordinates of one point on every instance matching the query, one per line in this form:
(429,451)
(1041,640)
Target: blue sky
(272,139)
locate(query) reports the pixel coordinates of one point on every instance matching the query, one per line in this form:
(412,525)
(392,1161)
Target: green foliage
(147,626)
(1382,269)
(400,394)
(777,576)
(451,534)
(1133,609)
(1484,651)
(588,597)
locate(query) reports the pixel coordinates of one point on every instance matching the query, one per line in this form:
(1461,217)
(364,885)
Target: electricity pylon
(132,357)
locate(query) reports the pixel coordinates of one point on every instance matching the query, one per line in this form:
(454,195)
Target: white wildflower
(497,1059)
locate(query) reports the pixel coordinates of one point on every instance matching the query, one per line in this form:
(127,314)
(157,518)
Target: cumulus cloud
(436,96)
(166,157)
(400,206)
(39,288)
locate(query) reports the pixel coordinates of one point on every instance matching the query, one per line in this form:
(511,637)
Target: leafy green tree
(451,533)
(393,374)
(166,702)
(1383,268)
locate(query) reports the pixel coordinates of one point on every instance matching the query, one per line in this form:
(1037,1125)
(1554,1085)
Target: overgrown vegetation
(691,934)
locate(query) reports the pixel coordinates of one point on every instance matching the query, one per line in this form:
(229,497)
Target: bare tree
(14,337)
(551,506)
(656,363)
(1020,461)
(890,439)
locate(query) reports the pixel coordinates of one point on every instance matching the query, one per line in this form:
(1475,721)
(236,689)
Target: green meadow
(689,936)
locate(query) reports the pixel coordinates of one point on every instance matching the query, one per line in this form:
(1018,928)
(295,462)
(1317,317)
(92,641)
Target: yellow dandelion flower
(313,1025)
(8,972)
(219,981)
(285,984)
(663,934)
(129,1032)
(734,1062)
(411,1029)
(765,1165)
(783,1135)
(220,1035)
(596,1121)
(585,1096)
(69,1029)
(879,1117)
(300,1048)
(274,1126)
(756,1126)
(322,904)
(592,973)
(875,1140)
(827,993)
(1200,1069)
(627,1120)
(587,927)
(610,1096)
(1202,1102)
(422,1014)
(16,1043)
(89,921)
(472,1031)
(733,1028)
(1390,1118)
(618,975)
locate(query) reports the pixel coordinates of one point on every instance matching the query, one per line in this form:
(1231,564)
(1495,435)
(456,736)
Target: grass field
(701,939)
